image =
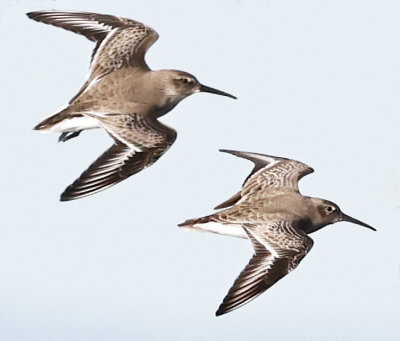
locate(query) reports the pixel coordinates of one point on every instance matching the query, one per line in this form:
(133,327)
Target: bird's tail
(54,122)
(212,224)
(189,224)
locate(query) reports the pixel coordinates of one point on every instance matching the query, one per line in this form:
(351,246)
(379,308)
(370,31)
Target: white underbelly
(74,123)
(233,230)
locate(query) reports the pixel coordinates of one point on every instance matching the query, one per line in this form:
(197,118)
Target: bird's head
(180,84)
(330,213)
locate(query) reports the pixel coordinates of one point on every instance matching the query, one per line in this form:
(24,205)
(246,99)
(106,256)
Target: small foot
(66,135)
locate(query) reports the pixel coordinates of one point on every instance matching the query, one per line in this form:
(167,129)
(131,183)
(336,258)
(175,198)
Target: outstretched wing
(268,172)
(139,142)
(121,42)
(279,247)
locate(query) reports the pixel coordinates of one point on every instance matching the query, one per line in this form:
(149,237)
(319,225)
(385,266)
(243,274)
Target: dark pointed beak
(345,217)
(204,88)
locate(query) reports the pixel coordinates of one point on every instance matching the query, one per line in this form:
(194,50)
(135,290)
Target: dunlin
(269,211)
(121,95)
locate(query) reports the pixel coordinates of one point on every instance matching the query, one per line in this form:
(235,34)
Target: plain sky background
(317,81)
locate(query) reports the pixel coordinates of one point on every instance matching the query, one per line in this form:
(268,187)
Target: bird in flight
(121,95)
(270,212)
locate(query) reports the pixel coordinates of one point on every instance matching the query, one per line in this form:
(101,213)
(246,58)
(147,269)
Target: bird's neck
(162,108)
(315,220)
(163,99)
(304,212)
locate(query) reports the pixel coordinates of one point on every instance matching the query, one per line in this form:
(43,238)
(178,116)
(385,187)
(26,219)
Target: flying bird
(121,95)
(270,212)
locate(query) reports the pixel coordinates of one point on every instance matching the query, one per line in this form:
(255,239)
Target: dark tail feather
(53,120)
(202,220)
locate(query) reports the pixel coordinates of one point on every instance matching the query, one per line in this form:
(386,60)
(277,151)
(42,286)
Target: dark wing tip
(79,189)
(69,195)
(31,14)
(229,151)
(72,193)
(237,153)
(64,198)
(257,158)
(220,311)
(36,14)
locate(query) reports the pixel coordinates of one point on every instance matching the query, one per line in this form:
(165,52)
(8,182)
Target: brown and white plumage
(120,42)
(273,259)
(139,142)
(268,172)
(119,84)
(270,212)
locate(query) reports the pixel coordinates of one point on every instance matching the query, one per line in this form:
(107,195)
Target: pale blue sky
(317,81)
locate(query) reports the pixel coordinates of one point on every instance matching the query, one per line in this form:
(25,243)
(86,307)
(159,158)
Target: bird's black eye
(184,80)
(329,209)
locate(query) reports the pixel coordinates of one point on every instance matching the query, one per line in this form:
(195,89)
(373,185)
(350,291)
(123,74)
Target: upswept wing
(121,42)
(279,247)
(139,142)
(268,172)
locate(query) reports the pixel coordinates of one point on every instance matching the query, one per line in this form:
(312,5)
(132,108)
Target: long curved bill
(345,217)
(204,88)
